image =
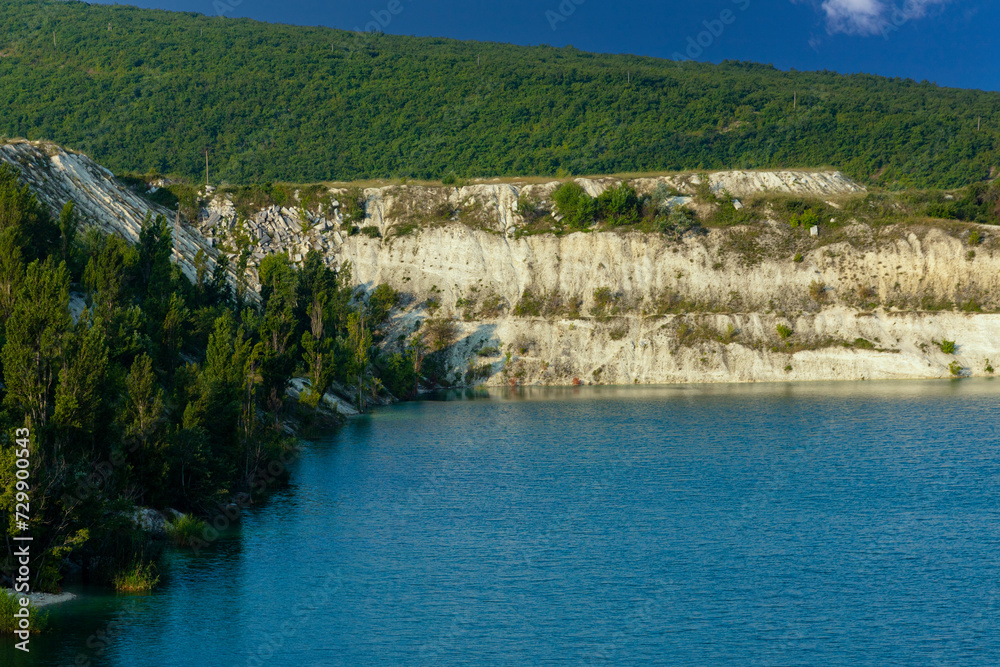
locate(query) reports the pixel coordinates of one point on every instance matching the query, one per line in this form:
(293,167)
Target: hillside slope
(141,89)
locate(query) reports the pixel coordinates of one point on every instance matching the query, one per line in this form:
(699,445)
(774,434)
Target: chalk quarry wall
(705,308)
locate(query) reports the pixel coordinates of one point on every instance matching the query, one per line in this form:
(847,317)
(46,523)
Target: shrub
(955,368)
(493,306)
(863,344)
(606,303)
(529,209)
(530,305)
(788,368)
(989,367)
(817,291)
(10,604)
(432,304)
(450,178)
(798,258)
(139,577)
(948,346)
(381,302)
(186,530)
(618,332)
(784,331)
(808,218)
(353,207)
(619,205)
(975,238)
(489,352)
(440,333)
(399,374)
(371,231)
(577,208)
(677,221)
(478,373)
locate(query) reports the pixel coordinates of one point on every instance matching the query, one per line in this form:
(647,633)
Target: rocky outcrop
(59,175)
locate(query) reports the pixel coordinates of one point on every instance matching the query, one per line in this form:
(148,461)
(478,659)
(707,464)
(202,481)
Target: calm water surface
(820,524)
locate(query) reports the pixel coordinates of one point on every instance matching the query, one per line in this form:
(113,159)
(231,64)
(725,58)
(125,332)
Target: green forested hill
(141,89)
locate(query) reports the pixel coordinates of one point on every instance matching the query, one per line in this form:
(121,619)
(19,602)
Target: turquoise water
(833,524)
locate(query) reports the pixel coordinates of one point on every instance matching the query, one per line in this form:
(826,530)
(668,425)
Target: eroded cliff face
(621,308)
(58,176)
(760,302)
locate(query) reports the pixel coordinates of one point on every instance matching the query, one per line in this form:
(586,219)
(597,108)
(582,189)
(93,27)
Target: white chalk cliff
(861,303)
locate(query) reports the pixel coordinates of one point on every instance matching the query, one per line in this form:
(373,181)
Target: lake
(806,524)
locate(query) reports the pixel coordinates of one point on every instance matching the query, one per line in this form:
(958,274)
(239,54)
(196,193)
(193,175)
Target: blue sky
(949,42)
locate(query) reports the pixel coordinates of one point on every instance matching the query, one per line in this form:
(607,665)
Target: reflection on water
(827,523)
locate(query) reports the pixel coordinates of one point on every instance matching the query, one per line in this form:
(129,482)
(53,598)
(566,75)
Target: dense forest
(142,389)
(143,90)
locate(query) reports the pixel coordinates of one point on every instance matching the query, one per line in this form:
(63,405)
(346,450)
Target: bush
(353,207)
(677,221)
(618,332)
(529,209)
(371,231)
(955,368)
(381,302)
(784,331)
(808,218)
(948,346)
(450,178)
(479,373)
(399,375)
(577,208)
(817,291)
(975,238)
(606,303)
(489,352)
(186,530)
(619,205)
(10,604)
(863,344)
(440,333)
(139,577)
(798,258)
(530,305)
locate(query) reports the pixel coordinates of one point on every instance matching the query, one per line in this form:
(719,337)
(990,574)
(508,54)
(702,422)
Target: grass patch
(186,530)
(140,577)
(9,605)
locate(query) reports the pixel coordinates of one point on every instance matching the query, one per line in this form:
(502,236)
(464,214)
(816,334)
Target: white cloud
(873,17)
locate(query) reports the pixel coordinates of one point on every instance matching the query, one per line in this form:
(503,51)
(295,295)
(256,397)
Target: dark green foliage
(161,393)
(948,346)
(36,233)
(619,205)
(304,104)
(577,208)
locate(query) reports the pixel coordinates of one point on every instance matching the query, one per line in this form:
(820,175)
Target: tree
(67,231)
(20,211)
(142,421)
(82,378)
(32,353)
